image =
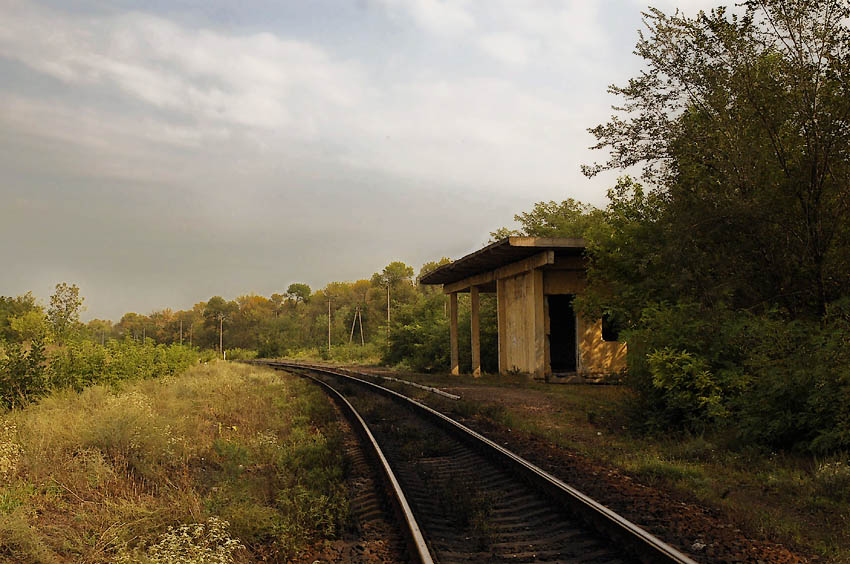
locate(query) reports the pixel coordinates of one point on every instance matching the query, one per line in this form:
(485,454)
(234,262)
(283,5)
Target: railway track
(464,498)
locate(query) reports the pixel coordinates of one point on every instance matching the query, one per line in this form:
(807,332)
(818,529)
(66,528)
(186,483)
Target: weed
(832,480)
(198,543)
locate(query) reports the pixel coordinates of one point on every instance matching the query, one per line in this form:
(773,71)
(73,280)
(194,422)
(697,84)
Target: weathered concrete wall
(595,356)
(521,308)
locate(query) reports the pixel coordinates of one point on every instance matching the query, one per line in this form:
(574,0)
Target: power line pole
(220,335)
(388,308)
(329,324)
(353,322)
(360,318)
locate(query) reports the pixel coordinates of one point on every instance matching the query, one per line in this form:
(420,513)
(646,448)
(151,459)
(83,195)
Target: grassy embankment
(148,473)
(795,499)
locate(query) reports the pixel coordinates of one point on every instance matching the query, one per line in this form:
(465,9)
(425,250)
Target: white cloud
(510,48)
(263,95)
(254,80)
(443,17)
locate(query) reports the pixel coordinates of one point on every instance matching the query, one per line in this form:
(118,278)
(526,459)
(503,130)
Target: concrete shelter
(535,280)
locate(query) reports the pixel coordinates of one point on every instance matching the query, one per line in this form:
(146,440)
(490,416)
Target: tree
(569,218)
(218,309)
(298,292)
(11,308)
(64,311)
(740,125)
(31,326)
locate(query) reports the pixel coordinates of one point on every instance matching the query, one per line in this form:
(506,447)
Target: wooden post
(453,331)
(388,309)
(474,329)
(329,325)
(220,333)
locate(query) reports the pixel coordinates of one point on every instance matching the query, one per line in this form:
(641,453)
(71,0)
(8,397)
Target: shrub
(800,392)
(685,365)
(240,354)
(23,375)
(692,393)
(198,543)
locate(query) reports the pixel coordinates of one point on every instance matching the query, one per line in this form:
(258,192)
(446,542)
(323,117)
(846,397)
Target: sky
(162,152)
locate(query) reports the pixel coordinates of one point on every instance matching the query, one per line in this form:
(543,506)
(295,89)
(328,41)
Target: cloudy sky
(157,153)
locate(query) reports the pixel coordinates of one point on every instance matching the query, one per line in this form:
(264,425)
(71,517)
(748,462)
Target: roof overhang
(521,252)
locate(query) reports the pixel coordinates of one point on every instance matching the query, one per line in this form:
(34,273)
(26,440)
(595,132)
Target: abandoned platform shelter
(535,280)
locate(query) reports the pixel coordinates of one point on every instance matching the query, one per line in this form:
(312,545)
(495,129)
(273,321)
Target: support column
(474,329)
(453,331)
(502,335)
(539,324)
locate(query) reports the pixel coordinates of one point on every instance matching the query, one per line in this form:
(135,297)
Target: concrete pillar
(474,329)
(453,331)
(538,324)
(502,335)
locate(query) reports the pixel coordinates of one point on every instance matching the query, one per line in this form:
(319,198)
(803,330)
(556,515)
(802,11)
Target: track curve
(471,500)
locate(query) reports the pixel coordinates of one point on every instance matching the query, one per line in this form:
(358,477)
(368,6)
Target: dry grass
(101,475)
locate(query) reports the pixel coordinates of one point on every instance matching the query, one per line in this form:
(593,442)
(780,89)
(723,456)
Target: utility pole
(388,308)
(353,323)
(220,333)
(329,324)
(360,318)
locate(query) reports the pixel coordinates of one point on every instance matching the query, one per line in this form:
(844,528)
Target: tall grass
(244,462)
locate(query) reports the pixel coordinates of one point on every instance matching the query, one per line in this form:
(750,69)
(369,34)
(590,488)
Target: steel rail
(647,547)
(416,540)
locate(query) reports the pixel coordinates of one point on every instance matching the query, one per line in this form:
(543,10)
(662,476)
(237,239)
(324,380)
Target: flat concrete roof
(501,253)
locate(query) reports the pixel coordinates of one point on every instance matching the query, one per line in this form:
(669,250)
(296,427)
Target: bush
(685,365)
(419,336)
(785,384)
(240,354)
(800,392)
(83,363)
(23,375)
(692,393)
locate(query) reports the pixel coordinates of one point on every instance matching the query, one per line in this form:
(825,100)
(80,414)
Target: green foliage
(800,392)
(23,375)
(240,354)
(419,336)
(64,311)
(31,326)
(82,363)
(11,308)
(737,122)
(727,264)
(298,292)
(690,390)
(569,218)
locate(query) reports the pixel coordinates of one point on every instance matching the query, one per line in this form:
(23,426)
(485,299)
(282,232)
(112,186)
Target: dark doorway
(562,333)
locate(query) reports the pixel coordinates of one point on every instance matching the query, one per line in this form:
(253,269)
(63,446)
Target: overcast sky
(158,153)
